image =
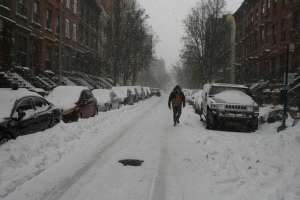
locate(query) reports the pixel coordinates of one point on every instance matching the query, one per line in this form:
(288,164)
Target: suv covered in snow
(223,103)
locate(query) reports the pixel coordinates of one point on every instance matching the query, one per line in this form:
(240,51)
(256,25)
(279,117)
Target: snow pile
(32,156)
(65,97)
(8,98)
(102,96)
(235,96)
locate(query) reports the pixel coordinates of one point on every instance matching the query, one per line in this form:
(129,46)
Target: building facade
(30,34)
(264,31)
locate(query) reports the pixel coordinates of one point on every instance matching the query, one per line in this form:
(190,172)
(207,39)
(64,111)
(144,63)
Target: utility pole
(61,38)
(289,50)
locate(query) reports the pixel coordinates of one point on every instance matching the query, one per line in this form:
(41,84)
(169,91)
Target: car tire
(254,125)
(210,121)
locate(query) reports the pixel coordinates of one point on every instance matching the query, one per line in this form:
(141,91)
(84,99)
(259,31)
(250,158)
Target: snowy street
(80,160)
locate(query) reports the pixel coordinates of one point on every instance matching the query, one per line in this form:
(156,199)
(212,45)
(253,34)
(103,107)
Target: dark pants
(176,114)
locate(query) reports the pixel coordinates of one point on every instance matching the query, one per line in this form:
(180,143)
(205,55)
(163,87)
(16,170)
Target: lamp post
(289,50)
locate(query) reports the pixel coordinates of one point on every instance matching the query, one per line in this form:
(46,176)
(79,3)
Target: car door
(24,114)
(43,113)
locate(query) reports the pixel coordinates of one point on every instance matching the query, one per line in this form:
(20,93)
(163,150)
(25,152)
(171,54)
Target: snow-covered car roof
(102,95)
(65,97)
(235,96)
(120,91)
(138,88)
(132,89)
(8,98)
(229,85)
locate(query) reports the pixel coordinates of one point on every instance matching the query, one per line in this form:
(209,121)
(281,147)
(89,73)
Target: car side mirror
(21,115)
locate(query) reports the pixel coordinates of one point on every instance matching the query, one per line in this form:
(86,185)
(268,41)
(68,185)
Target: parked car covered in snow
(188,96)
(75,101)
(104,100)
(140,91)
(197,101)
(222,103)
(147,92)
(156,92)
(134,95)
(23,112)
(124,94)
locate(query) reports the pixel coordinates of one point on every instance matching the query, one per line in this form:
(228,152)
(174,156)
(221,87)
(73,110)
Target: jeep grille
(236,107)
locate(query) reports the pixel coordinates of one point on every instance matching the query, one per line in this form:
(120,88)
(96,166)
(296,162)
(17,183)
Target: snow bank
(230,165)
(28,157)
(102,96)
(8,98)
(65,97)
(235,96)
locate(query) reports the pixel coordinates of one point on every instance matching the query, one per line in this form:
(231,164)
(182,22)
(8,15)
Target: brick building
(264,29)
(29,34)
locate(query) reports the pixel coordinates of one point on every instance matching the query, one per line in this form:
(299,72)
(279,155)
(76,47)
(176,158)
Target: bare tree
(200,57)
(130,42)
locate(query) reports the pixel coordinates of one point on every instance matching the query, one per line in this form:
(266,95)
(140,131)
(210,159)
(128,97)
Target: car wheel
(254,125)
(210,121)
(5,137)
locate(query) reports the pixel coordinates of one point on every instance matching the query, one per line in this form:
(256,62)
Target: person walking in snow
(177,100)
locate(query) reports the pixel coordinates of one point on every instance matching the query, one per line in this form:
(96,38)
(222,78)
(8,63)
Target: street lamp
(289,50)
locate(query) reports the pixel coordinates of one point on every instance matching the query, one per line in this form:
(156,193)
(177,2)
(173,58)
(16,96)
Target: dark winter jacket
(176,98)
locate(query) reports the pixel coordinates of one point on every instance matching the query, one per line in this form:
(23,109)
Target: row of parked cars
(220,104)
(25,112)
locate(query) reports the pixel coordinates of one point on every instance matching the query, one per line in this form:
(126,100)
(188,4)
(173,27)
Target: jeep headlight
(218,106)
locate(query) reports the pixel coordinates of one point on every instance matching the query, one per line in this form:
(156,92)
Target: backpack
(177,101)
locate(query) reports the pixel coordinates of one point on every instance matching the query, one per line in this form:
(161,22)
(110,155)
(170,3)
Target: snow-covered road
(79,161)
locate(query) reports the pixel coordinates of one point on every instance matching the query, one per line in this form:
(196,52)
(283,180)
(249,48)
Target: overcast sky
(166,18)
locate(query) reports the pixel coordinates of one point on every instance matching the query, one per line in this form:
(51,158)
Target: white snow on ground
(80,160)
(227,165)
(235,96)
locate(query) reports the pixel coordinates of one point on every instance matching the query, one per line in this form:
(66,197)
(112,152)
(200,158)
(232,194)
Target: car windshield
(218,89)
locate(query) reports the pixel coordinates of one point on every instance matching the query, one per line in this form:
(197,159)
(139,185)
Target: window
(262,35)
(21,50)
(75,32)
(41,105)
(75,8)
(263,7)
(25,107)
(21,7)
(4,3)
(48,18)
(274,34)
(36,11)
(67,28)
(68,3)
(283,31)
(57,24)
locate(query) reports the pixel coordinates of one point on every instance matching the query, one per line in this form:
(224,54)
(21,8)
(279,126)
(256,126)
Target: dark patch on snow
(131,162)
